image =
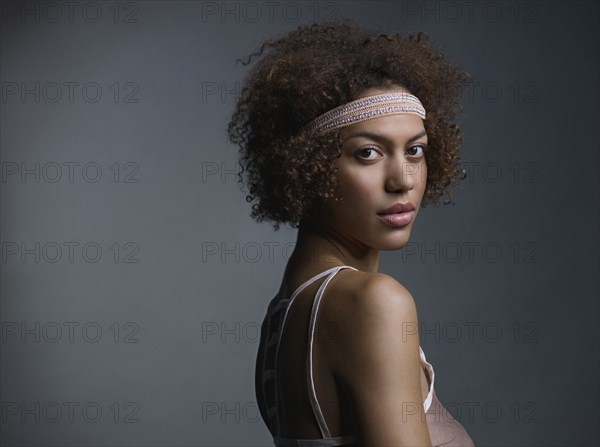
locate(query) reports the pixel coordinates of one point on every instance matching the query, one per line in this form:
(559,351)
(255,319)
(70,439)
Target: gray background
(151,341)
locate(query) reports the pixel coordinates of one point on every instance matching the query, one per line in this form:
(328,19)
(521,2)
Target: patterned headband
(368,108)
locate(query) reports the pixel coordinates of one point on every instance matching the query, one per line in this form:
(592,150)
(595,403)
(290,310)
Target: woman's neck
(317,244)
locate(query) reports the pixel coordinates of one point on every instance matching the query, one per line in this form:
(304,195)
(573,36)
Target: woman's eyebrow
(382,138)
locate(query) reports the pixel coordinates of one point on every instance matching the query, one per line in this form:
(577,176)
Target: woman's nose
(402,175)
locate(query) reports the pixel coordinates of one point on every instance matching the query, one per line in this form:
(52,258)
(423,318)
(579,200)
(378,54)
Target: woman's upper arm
(377,360)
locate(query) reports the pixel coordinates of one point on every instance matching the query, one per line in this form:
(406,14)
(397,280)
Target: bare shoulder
(365,298)
(375,357)
(370,312)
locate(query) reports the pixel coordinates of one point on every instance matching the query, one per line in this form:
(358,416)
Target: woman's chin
(395,242)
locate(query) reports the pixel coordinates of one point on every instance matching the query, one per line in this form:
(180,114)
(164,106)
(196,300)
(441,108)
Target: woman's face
(382,164)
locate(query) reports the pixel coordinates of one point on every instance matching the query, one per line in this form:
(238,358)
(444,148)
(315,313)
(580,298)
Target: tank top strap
(270,376)
(311,330)
(431,374)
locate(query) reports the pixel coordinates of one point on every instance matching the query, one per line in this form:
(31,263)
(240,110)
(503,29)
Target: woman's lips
(398,208)
(397,220)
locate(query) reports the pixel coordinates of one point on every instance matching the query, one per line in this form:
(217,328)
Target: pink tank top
(443,428)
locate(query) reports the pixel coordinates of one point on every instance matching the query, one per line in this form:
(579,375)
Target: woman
(344,134)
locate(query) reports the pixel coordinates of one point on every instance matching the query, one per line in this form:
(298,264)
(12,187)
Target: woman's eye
(367,153)
(418,150)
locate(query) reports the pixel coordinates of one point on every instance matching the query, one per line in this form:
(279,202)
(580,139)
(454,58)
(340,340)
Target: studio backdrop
(134,282)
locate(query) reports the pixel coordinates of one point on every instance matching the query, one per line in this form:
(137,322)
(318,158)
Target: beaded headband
(368,108)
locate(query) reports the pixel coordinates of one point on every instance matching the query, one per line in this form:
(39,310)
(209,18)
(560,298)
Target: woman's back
(301,407)
(296,415)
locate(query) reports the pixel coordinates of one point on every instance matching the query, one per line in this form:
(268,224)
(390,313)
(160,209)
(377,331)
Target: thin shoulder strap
(287,303)
(311,330)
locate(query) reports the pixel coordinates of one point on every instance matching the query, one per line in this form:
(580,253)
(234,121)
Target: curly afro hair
(314,69)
